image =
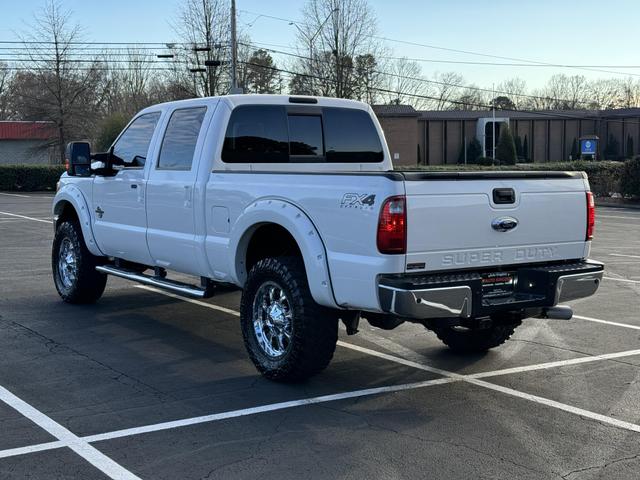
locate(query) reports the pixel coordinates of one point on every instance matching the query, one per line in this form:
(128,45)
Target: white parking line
(475,381)
(157,427)
(265,408)
(41,447)
(622,255)
(81,447)
(25,217)
(190,300)
(607,322)
(448,377)
(14,195)
(625,280)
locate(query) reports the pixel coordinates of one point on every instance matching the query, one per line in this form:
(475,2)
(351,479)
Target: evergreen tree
(474,151)
(612,150)
(525,149)
(574,150)
(519,151)
(506,148)
(630,152)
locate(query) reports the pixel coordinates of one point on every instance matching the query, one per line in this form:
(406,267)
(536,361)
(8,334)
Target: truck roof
(262,99)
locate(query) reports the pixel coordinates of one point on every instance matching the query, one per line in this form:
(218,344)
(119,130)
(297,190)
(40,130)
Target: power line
(554,114)
(446,49)
(456,85)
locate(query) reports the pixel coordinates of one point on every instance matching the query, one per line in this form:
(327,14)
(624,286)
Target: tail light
(392,226)
(591,215)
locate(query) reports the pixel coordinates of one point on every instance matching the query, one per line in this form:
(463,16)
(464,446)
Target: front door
(171,226)
(119,216)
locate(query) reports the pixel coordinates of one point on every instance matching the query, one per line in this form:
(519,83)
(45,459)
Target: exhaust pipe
(559,312)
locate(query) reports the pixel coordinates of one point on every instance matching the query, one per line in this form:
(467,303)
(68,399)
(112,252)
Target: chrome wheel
(272,319)
(67,263)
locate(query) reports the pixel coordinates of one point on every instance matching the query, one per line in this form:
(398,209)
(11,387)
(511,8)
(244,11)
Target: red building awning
(27,130)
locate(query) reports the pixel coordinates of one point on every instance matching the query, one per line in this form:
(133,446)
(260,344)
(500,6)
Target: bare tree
(127,82)
(204,28)
(629,90)
(407,86)
(514,88)
(5,80)
(336,32)
(54,86)
(566,92)
(471,98)
(448,87)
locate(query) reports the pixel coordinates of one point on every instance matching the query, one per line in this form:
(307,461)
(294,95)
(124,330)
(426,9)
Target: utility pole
(234,51)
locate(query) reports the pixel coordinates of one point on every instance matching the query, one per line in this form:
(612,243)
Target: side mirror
(78,158)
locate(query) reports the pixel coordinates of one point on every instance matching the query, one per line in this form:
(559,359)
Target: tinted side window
(257,134)
(305,135)
(350,137)
(179,142)
(133,144)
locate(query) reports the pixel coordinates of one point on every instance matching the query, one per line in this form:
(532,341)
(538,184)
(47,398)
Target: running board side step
(160,282)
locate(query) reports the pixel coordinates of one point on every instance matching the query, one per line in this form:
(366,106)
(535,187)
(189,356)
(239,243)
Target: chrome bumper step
(460,295)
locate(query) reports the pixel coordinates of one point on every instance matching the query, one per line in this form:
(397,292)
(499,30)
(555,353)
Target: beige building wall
(402,137)
(556,141)
(454,141)
(539,141)
(549,139)
(436,142)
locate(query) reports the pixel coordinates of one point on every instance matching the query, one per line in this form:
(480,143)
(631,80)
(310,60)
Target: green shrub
(29,178)
(474,151)
(486,161)
(506,148)
(110,128)
(630,184)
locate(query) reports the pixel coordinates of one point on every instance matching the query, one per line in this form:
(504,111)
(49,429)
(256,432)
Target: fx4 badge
(360,201)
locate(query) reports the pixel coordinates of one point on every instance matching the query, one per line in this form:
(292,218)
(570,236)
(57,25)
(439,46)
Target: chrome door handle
(188,195)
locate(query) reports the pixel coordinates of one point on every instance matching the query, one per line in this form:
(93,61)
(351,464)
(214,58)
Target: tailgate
(475,220)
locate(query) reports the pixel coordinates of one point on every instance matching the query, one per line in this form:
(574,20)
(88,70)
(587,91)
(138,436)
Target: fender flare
(301,228)
(73,195)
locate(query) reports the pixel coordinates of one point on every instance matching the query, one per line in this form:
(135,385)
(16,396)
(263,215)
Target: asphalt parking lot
(147,385)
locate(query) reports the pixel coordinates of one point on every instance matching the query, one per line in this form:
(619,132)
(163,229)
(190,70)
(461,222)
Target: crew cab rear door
(171,223)
(491,219)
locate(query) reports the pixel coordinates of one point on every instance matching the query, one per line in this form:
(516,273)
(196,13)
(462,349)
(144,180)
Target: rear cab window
(282,134)
(180,139)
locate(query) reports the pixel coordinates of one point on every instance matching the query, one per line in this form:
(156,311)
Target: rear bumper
(440,296)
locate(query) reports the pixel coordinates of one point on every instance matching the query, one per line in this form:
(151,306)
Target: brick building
(437,137)
(26,143)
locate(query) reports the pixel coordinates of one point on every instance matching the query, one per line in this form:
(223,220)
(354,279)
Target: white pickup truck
(295,201)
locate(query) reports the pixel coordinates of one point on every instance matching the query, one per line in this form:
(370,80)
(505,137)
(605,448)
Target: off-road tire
(475,341)
(89,284)
(314,328)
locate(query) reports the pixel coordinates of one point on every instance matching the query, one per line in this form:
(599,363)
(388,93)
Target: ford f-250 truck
(294,200)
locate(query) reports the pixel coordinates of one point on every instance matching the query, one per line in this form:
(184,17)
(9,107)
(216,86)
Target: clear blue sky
(553,31)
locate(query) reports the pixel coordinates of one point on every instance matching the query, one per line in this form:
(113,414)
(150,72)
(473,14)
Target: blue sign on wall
(588,146)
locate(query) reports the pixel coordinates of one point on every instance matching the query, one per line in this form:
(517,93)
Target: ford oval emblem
(504,224)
